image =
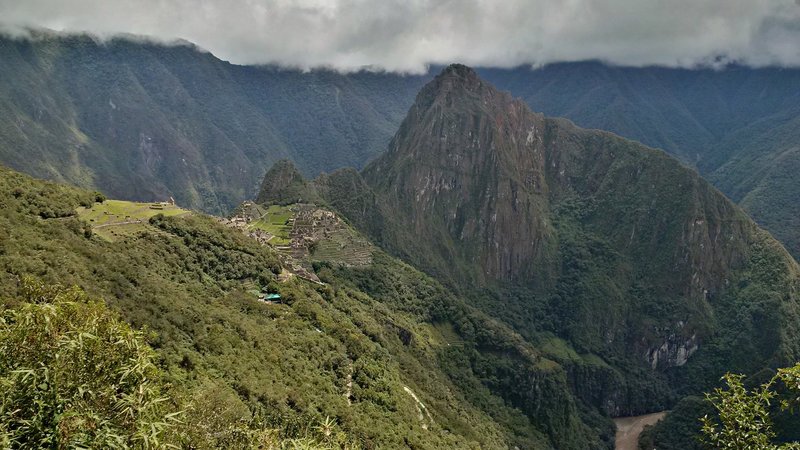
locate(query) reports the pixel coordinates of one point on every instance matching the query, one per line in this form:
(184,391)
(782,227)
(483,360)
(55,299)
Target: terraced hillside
(114,219)
(303,234)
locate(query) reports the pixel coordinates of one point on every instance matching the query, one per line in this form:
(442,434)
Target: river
(629,429)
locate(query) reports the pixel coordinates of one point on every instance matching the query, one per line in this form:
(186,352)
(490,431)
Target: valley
(629,429)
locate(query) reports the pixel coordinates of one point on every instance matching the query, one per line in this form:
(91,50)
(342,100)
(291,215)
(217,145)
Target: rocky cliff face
(616,248)
(465,171)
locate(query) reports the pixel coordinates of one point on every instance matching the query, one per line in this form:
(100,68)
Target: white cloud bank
(406,35)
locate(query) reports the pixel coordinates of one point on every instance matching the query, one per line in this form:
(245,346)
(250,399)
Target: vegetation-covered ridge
(381,353)
(143,121)
(656,281)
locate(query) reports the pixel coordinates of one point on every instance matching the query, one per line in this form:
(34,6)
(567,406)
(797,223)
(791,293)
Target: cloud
(407,35)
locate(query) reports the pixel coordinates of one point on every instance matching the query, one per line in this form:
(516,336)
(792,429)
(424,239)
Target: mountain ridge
(618,249)
(185,120)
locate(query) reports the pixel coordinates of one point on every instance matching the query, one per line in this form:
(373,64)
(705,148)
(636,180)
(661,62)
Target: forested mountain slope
(619,250)
(146,121)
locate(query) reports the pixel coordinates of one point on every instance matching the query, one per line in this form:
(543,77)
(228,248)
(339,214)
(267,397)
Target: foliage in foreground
(73,375)
(744,420)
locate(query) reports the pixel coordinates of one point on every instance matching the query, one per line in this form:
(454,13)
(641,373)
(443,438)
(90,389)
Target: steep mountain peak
(283,184)
(479,182)
(459,73)
(461,114)
(455,84)
(470,158)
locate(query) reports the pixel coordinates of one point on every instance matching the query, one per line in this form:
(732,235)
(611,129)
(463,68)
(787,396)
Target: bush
(744,417)
(73,375)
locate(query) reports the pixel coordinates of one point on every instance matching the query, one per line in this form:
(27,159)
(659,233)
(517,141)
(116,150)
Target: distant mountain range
(147,121)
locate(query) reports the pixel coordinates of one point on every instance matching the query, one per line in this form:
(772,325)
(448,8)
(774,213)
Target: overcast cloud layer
(406,35)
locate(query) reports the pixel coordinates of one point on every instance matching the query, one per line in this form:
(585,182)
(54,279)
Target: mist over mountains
(179,122)
(402,36)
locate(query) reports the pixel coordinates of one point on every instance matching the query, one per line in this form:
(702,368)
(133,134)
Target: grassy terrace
(344,246)
(114,219)
(275,222)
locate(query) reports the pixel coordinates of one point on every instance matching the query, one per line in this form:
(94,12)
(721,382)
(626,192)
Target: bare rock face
(674,351)
(468,163)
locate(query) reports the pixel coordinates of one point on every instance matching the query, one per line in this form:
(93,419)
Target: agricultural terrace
(275,221)
(114,219)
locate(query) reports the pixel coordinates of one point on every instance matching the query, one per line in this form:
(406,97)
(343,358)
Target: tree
(744,421)
(72,374)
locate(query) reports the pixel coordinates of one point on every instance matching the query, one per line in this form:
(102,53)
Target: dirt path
(113,224)
(629,428)
(348,394)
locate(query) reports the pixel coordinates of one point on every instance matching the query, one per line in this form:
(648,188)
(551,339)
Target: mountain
(283,184)
(466,175)
(619,262)
(738,126)
(146,121)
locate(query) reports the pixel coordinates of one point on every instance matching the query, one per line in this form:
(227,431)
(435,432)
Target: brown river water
(629,428)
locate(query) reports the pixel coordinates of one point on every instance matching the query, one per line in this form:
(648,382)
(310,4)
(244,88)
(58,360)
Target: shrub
(744,417)
(73,375)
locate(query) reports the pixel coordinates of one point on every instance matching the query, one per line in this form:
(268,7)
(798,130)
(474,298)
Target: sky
(407,35)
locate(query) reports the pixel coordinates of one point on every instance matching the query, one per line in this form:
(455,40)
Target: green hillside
(388,353)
